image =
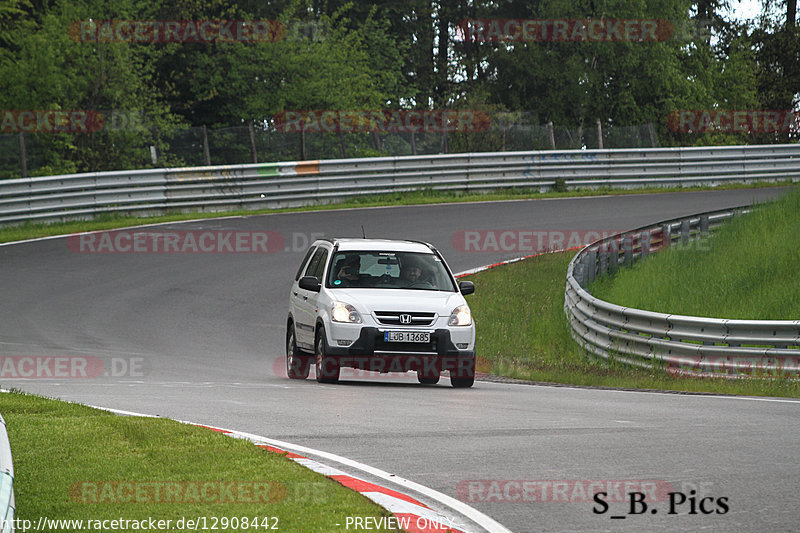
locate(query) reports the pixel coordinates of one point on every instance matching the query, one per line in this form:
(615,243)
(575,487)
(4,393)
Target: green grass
(523,333)
(32,230)
(68,455)
(748,269)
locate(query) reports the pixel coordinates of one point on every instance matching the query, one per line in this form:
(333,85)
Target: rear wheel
(327,368)
(297,364)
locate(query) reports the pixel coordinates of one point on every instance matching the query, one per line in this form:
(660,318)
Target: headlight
(342,312)
(460,316)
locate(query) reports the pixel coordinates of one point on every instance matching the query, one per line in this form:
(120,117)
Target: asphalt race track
(200,337)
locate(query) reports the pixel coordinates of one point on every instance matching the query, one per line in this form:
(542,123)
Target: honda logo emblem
(405,319)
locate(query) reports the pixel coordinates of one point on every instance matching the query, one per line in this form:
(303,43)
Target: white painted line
(293,211)
(473,514)
(675,394)
(509,261)
(476,516)
(64,235)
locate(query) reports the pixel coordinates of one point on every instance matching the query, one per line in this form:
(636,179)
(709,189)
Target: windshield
(389,270)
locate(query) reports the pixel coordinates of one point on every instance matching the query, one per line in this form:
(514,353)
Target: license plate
(407,336)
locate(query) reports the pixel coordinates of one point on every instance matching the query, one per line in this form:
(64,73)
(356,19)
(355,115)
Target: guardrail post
(579,273)
(666,235)
(591,266)
(685,232)
(599,135)
(206,152)
(613,257)
(645,244)
(252,141)
(23,157)
(627,246)
(603,255)
(704,225)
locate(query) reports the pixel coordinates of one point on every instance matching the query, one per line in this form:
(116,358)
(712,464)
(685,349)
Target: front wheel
(463,376)
(327,368)
(428,376)
(462,383)
(297,365)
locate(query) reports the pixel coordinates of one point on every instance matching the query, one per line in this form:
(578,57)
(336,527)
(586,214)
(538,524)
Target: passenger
(348,272)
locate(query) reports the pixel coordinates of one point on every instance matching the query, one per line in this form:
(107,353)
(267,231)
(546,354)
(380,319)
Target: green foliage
(746,270)
(66,454)
(382,55)
(522,332)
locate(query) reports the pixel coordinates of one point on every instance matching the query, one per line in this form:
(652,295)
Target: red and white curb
(509,261)
(412,515)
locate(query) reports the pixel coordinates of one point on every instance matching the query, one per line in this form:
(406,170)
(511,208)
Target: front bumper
(371,352)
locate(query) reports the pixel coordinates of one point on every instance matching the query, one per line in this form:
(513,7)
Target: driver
(411,274)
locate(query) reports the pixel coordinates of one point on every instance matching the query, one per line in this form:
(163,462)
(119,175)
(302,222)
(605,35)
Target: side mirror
(466,287)
(309,283)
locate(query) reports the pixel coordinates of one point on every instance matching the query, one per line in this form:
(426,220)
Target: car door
(306,301)
(294,298)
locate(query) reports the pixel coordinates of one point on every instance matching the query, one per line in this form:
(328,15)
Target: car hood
(370,300)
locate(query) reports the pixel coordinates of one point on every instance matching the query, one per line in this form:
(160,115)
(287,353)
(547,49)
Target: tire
(297,365)
(428,378)
(327,368)
(464,376)
(462,383)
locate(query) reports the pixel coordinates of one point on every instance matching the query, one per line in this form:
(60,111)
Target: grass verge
(523,333)
(77,463)
(748,269)
(32,230)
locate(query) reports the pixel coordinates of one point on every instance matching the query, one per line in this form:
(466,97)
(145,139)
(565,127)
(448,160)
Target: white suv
(379,305)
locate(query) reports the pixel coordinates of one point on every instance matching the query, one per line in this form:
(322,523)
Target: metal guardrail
(7,506)
(267,185)
(682,344)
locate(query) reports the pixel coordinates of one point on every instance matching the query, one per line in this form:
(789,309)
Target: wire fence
(39,154)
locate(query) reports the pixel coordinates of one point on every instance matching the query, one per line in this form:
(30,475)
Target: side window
(303,263)
(321,264)
(313,265)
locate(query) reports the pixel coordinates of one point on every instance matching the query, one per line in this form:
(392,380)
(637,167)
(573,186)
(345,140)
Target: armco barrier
(256,186)
(6,482)
(682,344)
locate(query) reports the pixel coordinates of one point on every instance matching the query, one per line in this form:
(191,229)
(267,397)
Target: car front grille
(402,318)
